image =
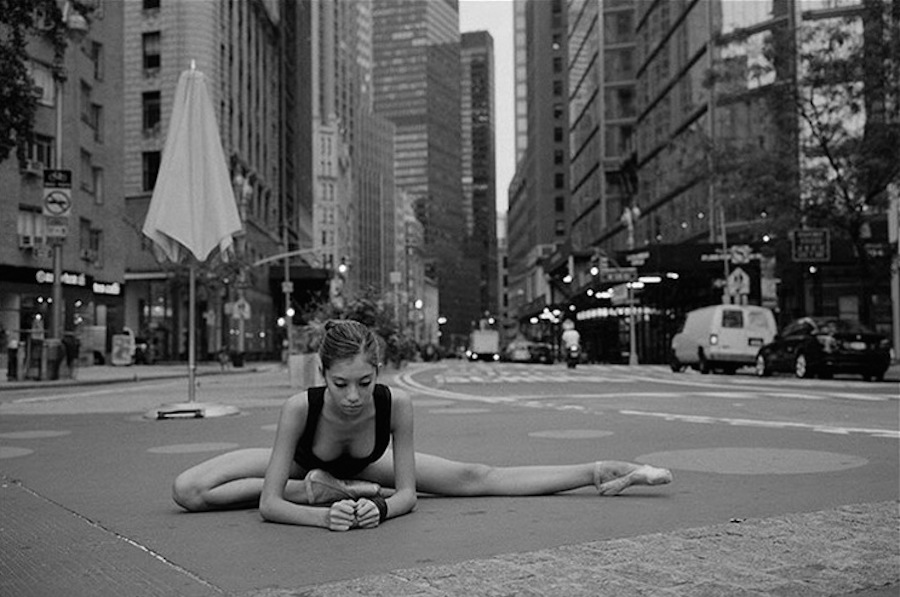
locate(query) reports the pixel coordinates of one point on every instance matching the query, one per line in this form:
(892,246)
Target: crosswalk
(594,381)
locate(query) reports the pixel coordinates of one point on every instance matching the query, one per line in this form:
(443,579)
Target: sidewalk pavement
(104,374)
(108,374)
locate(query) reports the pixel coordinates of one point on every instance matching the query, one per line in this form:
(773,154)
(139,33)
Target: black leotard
(344,466)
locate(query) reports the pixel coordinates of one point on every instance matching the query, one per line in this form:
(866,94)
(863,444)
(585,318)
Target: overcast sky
(496,17)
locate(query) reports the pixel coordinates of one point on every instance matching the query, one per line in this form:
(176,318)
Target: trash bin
(237,359)
(12,365)
(54,355)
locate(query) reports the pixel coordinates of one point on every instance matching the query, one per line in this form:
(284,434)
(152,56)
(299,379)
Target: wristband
(381,504)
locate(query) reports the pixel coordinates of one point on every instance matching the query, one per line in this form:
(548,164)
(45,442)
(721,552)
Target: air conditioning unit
(26,241)
(32,167)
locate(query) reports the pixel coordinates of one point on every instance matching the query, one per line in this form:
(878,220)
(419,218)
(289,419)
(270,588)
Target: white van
(722,337)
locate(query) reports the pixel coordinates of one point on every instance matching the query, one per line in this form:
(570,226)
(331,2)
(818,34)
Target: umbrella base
(191,410)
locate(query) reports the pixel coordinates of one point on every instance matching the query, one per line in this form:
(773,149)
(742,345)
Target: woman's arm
(273,506)
(404,499)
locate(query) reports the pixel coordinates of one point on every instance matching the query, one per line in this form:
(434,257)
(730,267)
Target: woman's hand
(342,515)
(367,515)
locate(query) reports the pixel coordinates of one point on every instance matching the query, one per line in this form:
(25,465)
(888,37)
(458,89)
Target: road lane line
(887,433)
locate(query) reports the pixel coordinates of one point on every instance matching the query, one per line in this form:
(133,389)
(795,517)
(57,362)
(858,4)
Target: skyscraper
(478,166)
(416,86)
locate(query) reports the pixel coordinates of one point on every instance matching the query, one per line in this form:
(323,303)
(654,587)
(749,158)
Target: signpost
(811,245)
(57,205)
(57,202)
(618,274)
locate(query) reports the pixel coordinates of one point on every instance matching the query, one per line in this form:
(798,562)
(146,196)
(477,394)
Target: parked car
(526,351)
(722,337)
(824,346)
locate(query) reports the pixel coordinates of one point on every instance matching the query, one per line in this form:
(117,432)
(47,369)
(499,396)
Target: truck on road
(484,345)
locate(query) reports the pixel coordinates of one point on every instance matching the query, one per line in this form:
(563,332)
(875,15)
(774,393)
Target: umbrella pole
(192,316)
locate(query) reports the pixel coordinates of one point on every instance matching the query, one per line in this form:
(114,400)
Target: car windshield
(841,326)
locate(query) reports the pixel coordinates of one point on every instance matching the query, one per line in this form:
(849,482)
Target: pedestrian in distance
(330,465)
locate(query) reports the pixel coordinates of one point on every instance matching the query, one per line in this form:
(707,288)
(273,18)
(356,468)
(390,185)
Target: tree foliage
(835,110)
(22,21)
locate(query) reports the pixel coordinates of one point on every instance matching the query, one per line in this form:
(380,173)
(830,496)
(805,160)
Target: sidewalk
(106,374)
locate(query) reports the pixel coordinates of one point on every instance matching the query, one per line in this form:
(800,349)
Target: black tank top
(344,466)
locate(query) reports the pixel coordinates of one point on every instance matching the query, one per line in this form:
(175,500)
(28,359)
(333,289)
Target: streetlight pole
(76,28)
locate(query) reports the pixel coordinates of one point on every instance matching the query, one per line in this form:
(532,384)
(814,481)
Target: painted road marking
(832,429)
(754,461)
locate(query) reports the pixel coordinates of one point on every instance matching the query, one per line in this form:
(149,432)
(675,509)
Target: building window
(559,180)
(558,134)
(559,111)
(96,122)
(557,64)
(560,204)
(151,44)
(557,88)
(40,150)
(30,224)
(559,157)
(43,80)
(85,102)
(96,56)
(97,176)
(560,228)
(87,172)
(151,107)
(151,4)
(150,168)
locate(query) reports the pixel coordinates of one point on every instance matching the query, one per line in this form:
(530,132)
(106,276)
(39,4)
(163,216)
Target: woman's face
(351,382)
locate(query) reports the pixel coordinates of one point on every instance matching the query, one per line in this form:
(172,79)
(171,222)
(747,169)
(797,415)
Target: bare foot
(611,478)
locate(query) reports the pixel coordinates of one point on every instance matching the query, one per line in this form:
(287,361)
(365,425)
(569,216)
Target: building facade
(416,86)
(77,128)
(236,46)
(539,193)
(479,167)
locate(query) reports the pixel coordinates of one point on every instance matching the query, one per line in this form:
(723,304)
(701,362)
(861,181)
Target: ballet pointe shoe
(612,480)
(323,488)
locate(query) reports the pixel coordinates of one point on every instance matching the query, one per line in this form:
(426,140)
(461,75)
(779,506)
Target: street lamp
(76,28)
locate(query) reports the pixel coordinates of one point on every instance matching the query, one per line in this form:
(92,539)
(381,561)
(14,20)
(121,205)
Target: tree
(18,22)
(835,107)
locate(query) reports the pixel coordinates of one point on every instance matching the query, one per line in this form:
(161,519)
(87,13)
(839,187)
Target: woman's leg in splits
(231,480)
(441,476)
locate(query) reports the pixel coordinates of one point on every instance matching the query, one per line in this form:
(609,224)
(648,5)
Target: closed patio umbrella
(193,209)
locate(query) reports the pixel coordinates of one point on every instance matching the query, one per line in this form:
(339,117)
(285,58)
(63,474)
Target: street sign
(287,287)
(811,245)
(738,282)
(57,202)
(618,274)
(241,309)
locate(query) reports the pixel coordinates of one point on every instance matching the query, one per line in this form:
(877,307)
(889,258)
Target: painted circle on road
(191,448)
(12,452)
(753,461)
(570,434)
(36,434)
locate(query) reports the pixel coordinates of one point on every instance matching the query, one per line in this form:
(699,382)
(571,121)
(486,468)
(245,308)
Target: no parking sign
(57,203)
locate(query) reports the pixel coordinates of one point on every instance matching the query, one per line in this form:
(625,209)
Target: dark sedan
(825,346)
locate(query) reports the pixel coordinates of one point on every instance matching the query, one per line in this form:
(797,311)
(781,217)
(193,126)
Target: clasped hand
(350,514)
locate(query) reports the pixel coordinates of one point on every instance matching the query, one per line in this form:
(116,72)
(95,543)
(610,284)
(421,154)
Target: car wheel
(762,366)
(874,375)
(801,366)
(676,365)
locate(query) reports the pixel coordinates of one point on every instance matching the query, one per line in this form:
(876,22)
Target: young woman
(331,467)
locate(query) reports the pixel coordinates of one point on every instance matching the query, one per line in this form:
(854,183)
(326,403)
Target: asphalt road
(741,449)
